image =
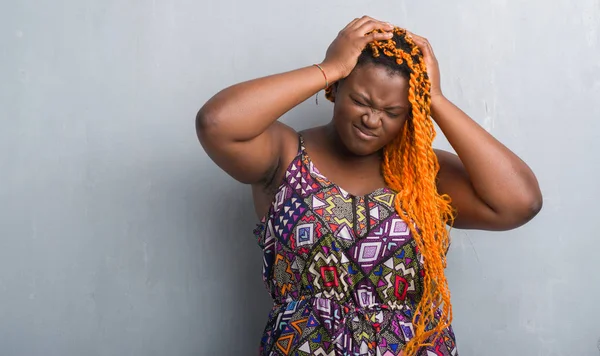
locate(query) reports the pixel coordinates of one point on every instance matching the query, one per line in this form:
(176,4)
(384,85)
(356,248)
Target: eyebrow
(388,108)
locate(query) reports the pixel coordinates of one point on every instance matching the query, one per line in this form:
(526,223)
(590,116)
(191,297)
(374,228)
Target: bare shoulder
(287,145)
(264,191)
(451,173)
(453,179)
(315,138)
(448,160)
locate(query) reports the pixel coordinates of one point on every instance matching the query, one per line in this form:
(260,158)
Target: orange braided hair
(410,167)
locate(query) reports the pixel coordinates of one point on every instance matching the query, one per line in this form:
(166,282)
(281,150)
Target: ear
(334,89)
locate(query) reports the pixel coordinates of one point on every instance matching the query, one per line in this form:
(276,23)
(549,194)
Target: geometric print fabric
(344,271)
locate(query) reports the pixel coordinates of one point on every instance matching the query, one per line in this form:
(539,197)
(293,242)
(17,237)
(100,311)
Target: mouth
(364,134)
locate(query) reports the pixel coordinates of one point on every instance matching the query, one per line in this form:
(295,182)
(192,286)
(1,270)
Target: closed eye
(392,115)
(357,102)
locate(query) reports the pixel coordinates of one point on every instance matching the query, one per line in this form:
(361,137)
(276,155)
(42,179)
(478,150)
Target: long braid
(410,167)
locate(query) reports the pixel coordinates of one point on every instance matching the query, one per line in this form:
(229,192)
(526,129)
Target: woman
(354,213)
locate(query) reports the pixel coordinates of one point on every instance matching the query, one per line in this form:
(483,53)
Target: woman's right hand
(342,55)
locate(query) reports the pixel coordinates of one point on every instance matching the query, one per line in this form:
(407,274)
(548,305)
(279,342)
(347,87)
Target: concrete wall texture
(119,236)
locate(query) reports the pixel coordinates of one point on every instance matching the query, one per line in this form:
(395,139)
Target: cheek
(343,115)
(393,128)
(347,110)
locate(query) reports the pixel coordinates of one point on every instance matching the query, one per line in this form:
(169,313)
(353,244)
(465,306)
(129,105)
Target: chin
(354,144)
(360,148)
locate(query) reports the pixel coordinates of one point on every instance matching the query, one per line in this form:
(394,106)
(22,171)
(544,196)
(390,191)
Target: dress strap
(300,144)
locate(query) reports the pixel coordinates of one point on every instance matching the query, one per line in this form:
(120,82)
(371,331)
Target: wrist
(437,101)
(332,72)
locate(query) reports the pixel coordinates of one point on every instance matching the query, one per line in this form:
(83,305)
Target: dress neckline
(316,170)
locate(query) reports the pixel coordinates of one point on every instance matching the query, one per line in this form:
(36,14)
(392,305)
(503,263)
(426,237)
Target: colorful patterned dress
(343,271)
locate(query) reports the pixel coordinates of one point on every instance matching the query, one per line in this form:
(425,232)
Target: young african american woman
(354,214)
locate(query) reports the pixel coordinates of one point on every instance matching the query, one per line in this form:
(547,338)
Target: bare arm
(491,187)
(237,127)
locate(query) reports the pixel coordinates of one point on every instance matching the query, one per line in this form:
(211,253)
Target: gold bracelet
(324,75)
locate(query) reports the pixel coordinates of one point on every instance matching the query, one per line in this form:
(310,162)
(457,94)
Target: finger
(366,19)
(416,38)
(423,44)
(361,21)
(378,36)
(350,24)
(374,25)
(419,39)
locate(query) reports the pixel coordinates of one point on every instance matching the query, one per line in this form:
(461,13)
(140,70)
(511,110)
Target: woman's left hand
(433,68)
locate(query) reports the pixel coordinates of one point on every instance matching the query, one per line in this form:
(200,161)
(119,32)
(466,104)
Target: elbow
(209,126)
(527,203)
(531,209)
(536,205)
(533,202)
(524,210)
(205,121)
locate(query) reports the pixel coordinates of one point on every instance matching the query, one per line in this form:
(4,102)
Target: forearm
(498,176)
(244,111)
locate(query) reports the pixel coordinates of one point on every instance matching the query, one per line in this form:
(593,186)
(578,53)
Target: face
(371,107)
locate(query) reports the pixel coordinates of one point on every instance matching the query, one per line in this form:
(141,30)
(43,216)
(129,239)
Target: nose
(372,119)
